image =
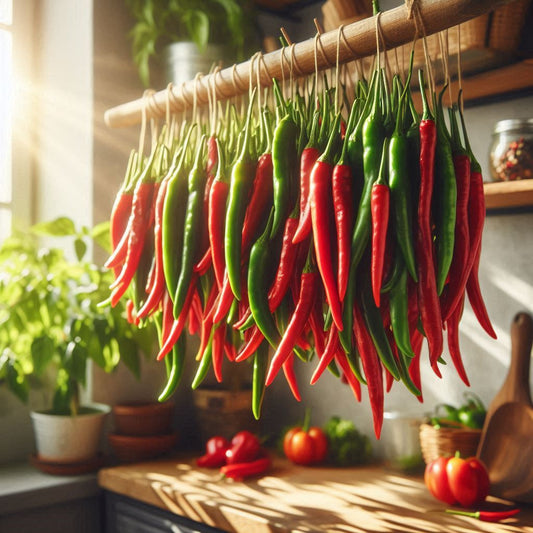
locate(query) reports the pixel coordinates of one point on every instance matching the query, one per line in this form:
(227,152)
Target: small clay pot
(141,419)
(130,449)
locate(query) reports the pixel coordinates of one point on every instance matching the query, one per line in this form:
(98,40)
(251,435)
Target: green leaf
(80,248)
(101,235)
(130,356)
(76,362)
(59,227)
(42,352)
(197,23)
(95,351)
(16,381)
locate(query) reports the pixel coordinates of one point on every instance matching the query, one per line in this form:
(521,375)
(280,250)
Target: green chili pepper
(205,363)
(173,225)
(242,176)
(259,376)
(445,198)
(193,219)
(284,157)
(377,331)
(373,140)
(258,285)
(176,368)
(398,306)
(400,185)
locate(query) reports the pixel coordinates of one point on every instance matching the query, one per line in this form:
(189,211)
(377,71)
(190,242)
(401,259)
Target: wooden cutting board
(506,445)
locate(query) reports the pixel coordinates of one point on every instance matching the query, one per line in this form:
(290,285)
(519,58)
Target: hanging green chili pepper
(192,225)
(258,378)
(177,366)
(445,198)
(284,155)
(257,285)
(398,307)
(242,175)
(173,223)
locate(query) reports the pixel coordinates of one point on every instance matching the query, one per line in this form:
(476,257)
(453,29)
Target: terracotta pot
(140,419)
(128,449)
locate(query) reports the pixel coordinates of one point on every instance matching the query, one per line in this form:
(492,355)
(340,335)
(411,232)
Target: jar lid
(513,124)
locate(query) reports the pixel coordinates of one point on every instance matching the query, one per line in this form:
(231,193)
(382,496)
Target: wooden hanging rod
(358,41)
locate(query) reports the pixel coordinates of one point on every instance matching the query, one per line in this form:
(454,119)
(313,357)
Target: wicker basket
(506,25)
(446,441)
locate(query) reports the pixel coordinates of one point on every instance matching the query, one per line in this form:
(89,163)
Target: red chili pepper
(251,346)
(307,161)
(179,323)
(332,346)
(486,516)
(297,322)
(286,265)
(260,200)
(428,300)
(414,366)
(216,216)
(223,303)
(459,269)
(118,222)
(343,202)
(320,201)
(379,205)
(371,367)
(353,382)
(476,299)
(240,471)
(452,325)
(218,350)
(158,285)
(212,159)
(316,322)
(290,376)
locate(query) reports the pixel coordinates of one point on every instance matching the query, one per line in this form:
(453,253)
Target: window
(6,85)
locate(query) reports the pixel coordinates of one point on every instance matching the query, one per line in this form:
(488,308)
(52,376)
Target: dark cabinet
(125,515)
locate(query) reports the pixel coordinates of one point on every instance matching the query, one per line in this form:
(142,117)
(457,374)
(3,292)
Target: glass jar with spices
(511,151)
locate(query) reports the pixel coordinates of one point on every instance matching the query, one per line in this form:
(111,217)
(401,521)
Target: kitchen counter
(298,499)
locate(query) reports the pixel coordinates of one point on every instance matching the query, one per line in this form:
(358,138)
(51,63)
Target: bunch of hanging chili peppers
(307,233)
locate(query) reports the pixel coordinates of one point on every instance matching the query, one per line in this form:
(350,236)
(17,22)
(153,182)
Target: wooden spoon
(506,445)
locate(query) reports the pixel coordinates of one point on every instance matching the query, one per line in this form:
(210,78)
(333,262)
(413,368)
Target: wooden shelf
(509,194)
(506,79)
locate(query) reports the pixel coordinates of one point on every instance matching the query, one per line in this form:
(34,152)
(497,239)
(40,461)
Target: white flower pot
(69,439)
(184,60)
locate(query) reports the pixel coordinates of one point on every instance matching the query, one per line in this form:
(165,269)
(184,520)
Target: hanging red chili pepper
(379,206)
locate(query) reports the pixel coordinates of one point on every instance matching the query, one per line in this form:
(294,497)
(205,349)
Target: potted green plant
(191,35)
(52,325)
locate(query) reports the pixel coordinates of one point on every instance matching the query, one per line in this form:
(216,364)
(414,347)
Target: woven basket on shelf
(506,25)
(446,441)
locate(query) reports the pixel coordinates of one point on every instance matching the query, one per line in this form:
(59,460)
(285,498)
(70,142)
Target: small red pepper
(215,455)
(486,516)
(240,471)
(380,220)
(245,447)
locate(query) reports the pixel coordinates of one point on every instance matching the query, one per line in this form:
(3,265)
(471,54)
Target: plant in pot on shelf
(191,35)
(51,326)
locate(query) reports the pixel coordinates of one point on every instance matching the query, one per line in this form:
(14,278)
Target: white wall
(64,115)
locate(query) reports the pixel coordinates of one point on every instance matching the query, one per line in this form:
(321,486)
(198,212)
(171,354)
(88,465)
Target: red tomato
(305,447)
(455,480)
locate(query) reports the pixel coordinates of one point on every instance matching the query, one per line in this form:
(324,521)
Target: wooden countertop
(298,499)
